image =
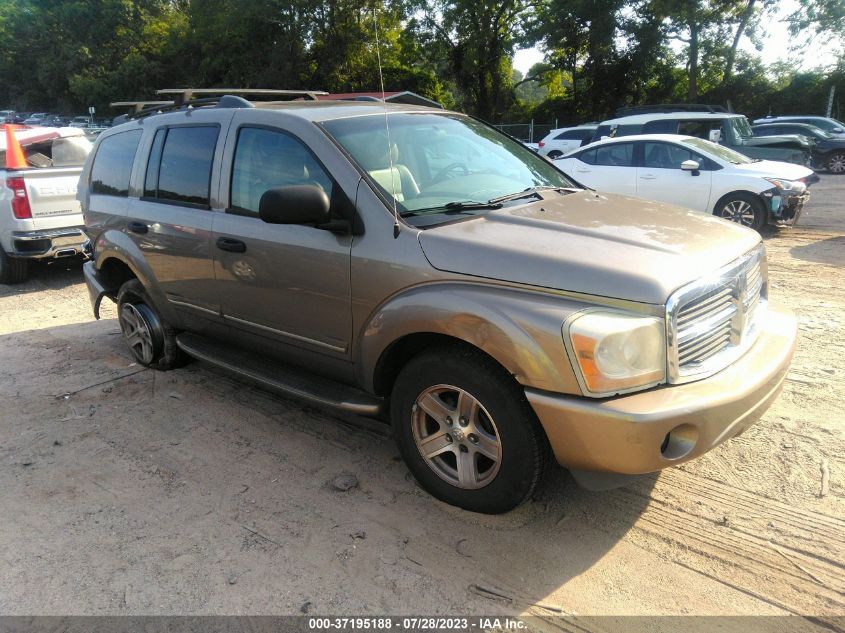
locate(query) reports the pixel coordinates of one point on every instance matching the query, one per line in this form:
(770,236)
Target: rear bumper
(96,288)
(651,430)
(48,243)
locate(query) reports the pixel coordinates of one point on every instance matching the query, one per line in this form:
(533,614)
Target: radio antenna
(396,225)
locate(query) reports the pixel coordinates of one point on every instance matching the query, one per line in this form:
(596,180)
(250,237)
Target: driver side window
(266,159)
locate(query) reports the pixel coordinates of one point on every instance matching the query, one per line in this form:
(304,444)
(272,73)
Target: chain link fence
(530,132)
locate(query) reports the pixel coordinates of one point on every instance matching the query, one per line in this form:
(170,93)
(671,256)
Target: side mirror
(297,204)
(691,166)
(837,130)
(715,136)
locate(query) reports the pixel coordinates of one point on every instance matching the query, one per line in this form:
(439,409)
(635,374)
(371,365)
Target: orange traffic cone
(14,154)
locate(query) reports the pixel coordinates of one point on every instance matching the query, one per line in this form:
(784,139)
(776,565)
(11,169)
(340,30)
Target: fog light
(679,442)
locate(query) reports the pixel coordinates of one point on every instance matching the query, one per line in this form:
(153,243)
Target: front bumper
(785,207)
(48,243)
(651,430)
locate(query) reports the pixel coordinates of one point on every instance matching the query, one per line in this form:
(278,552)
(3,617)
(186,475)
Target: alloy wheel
(836,164)
(138,333)
(739,211)
(456,437)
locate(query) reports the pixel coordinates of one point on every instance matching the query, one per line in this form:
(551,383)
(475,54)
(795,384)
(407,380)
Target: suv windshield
(719,151)
(741,127)
(440,163)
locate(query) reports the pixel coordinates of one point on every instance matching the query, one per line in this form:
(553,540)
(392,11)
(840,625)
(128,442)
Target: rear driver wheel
(836,163)
(150,338)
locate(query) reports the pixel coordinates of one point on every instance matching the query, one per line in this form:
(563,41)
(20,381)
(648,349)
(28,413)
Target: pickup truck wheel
(466,431)
(742,208)
(150,338)
(13,270)
(836,163)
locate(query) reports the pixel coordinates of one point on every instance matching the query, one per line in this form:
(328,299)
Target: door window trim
(246,213)
(178,203)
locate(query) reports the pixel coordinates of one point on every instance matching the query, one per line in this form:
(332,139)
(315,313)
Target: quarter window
(179,169)
(113,164)
(266,159)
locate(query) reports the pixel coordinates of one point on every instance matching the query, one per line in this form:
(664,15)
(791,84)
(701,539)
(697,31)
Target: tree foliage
(63,55)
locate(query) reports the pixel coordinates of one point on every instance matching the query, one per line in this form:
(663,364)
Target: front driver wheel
(742,208)
(466,431)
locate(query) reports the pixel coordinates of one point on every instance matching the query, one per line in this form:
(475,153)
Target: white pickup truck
(40,217)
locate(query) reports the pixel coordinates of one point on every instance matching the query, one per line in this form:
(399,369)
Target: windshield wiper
(530,191)
(455,207)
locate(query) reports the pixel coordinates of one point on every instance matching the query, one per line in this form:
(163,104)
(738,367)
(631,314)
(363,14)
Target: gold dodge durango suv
(418,265)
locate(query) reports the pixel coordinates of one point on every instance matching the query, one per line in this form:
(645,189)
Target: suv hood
(775,169)
(596,244)
(784,140)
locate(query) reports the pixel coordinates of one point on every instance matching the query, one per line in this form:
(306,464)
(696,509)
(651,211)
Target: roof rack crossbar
(137,106)
(184,95)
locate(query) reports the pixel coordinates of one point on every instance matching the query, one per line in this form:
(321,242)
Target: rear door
(171,221)
(608,168)
(661,178)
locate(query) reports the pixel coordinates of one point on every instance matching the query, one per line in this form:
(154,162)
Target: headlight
(616,352)
(787,185)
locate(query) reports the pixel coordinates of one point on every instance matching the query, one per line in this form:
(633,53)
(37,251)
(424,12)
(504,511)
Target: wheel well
(741,192)
(115,273)
(398,353)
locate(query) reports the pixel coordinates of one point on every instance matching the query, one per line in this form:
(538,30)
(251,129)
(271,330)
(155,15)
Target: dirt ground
(128,491)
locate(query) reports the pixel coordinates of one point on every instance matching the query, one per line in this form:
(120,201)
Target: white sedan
(693,173)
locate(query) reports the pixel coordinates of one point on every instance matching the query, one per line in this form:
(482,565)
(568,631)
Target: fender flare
(520,329)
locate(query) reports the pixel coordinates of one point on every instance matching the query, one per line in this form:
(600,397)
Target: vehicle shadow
(54,274)
(830,251)
(251,473)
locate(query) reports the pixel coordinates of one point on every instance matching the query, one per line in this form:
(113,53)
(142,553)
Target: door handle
(648,177)
(230,244)
(138,227)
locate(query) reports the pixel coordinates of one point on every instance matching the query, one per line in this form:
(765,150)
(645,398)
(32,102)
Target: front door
(661,178)
(284,288)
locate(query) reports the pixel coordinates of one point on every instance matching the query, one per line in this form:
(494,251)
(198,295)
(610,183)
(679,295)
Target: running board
(283,379)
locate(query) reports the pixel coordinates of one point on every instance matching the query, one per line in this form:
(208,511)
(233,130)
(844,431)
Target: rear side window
(615,155)
(179,169)
(573,135)
(698,128)
(266,159)
(113,164)
(661,126)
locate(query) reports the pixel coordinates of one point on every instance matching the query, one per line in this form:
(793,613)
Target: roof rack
(669,107)
(137,106)
(184,95)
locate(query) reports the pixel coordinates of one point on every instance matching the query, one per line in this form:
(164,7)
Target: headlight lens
(787,185)
(616,352)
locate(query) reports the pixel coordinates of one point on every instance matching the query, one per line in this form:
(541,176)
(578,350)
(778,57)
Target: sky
(775,46)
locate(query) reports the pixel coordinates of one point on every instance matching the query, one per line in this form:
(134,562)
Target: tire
(13,270)
(502,445)
(835,162)
(150,338)
(554,154)
(742,208)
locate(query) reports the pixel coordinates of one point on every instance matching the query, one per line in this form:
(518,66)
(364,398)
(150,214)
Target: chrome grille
(711,322)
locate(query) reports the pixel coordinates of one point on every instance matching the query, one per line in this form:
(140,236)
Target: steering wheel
(448,169)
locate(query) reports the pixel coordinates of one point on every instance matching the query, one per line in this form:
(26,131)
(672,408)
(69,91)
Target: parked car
(6,116)
(19,117)
(444,276)
(80,121)
(36,118)
(562,140)
(833,126)
(40,217)
(695,174)
(828,149)
(730,130)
